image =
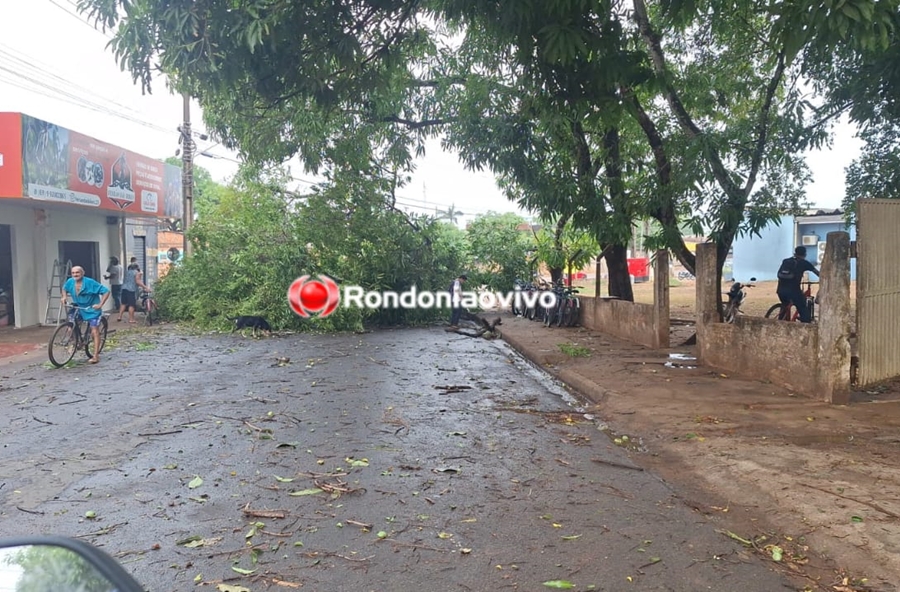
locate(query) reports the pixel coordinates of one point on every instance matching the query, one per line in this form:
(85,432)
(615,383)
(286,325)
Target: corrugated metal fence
(878,289)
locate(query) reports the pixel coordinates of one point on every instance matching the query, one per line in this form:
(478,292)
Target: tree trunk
(556,274)
(619,279)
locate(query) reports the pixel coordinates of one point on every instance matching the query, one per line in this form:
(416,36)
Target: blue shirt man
(89,296)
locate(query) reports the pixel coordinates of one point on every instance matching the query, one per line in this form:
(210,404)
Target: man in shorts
(89,296)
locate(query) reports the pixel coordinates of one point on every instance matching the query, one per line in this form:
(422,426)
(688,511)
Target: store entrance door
(85,254)
(7,314)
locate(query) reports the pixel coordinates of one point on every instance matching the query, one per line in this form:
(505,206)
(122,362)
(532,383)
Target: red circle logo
(307,296)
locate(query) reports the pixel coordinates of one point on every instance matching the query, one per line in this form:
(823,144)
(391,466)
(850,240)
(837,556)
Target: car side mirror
(753,279)
(62,564)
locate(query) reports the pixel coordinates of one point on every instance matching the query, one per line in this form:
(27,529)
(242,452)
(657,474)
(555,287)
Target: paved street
(389,461)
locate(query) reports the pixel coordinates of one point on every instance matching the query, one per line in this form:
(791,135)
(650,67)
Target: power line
(32,63)
(78,18)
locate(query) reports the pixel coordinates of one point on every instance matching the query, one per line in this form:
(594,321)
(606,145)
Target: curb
(585,387)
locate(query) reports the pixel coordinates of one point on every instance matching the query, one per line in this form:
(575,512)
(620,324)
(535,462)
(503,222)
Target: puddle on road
(682,361)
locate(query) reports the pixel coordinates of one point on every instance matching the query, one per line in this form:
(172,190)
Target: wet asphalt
(389,461)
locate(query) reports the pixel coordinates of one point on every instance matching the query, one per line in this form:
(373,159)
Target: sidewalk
(821,482)
(26,344)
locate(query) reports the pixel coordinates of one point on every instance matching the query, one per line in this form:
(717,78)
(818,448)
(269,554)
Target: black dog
(250,322)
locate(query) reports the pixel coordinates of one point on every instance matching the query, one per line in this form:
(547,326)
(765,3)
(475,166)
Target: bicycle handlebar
(72,306)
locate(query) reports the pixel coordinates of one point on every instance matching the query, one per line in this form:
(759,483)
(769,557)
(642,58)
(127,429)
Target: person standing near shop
(115,275)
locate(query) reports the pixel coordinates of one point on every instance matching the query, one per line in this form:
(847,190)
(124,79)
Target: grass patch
(574,351)
(144,346)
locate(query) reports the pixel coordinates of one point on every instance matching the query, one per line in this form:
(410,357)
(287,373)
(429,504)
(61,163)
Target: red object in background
(639,269)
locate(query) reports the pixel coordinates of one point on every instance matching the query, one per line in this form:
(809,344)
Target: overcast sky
(54,66)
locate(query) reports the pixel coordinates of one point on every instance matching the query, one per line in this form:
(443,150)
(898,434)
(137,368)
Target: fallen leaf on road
(228,588)
(195,482)
(571,538)
(560,584)
(282,479)
(311,491)
(444,535)
(202,542)
(286,584)
(245,572)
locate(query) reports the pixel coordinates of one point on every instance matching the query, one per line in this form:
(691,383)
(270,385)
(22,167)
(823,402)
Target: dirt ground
(682,297)
(821,482)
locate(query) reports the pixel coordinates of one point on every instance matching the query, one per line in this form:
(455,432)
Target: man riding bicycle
(88,296)
(790,276)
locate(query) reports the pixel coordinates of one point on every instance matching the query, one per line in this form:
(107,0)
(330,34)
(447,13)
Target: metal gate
(878,289)
(140,252)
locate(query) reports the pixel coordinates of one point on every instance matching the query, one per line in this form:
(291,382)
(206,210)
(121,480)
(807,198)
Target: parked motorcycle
(60,564)
(736,296)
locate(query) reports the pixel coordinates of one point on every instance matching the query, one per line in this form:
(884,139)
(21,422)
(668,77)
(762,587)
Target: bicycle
(784,310)
(569,309)
(150,308)
(70,337)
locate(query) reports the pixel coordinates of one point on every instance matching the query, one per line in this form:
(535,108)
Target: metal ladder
(60,271)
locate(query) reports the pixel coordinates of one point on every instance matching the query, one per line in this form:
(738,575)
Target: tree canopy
(695,113)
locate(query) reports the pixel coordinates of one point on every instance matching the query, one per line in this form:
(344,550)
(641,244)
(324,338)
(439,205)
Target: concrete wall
(22,221)
(781,352)
(811,359)
(72,225)
(760,256)
(644,324)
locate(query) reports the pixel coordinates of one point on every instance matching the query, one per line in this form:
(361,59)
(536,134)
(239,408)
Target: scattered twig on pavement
(235,551)
(872,505)
(360,524)
(448,389)
(414,546)
(253,427)
(21,509)
(42,421)
(102,531)
(277,534)
(348,558)
(613,463)
(161,433)
(263,513)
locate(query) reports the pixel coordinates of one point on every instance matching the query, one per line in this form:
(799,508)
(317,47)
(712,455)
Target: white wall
(21,221)
(68,225)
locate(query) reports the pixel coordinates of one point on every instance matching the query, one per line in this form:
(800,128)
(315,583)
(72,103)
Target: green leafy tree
(712,85)
(499,250)
(259,237)
(876,173)
(563,248)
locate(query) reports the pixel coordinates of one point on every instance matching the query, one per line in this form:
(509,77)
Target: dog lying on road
(250,322)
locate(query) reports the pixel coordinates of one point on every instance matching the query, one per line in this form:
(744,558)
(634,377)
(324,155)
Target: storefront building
(66,197)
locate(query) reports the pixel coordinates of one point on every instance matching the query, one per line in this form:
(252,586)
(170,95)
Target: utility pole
(187,178)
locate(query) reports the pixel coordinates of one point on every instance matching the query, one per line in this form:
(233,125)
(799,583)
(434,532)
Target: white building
(66,197)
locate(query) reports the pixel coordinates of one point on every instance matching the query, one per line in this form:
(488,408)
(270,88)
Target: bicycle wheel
(61,348)
(89,338)
(775,310)
(561,313)
(149,311)
(574,313)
